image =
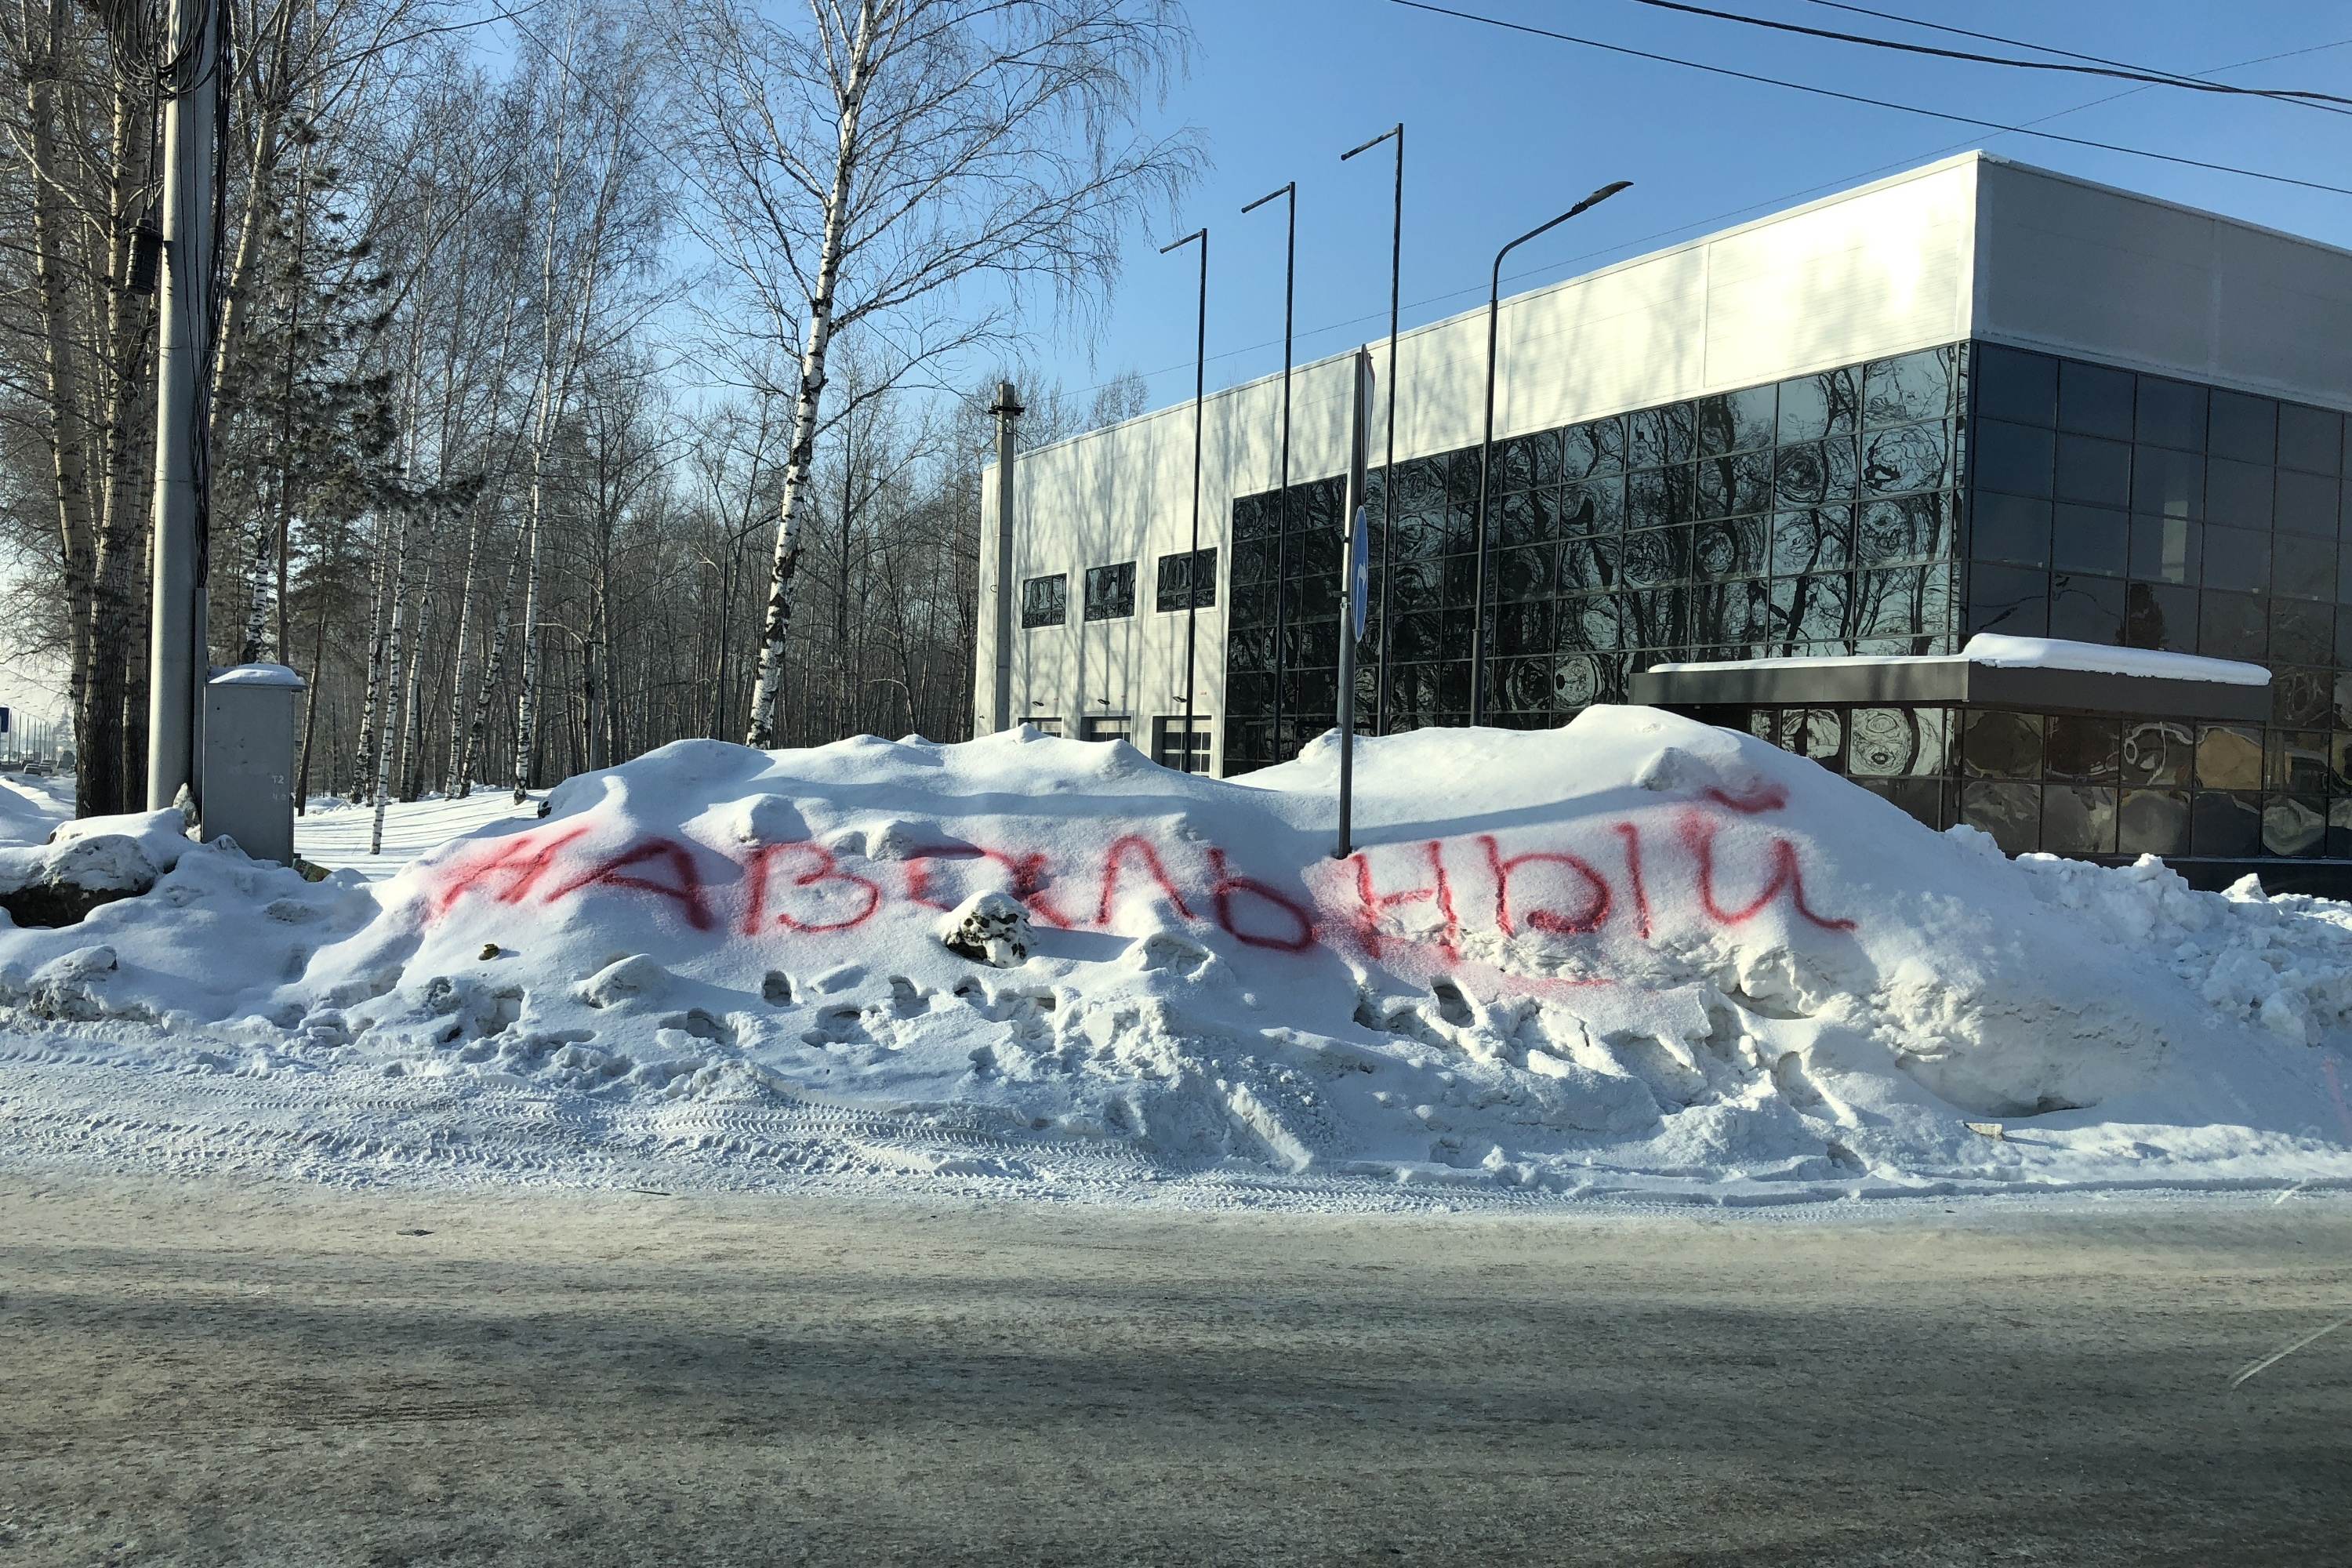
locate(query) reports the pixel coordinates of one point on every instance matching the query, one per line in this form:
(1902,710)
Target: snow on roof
(255,675)
(2026,653)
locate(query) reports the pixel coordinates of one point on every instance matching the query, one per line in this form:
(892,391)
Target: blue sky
(1505,131)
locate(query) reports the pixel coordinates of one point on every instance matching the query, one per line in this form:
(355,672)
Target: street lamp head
(1602,195)
(1396,130)
(1199,234)
(1290,190)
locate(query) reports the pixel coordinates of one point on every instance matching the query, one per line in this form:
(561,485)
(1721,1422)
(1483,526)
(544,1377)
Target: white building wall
(2071,267)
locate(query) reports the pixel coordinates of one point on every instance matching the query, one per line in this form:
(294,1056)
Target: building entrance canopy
(2045,675)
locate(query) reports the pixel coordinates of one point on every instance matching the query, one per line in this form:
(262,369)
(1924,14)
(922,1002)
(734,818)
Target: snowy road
(247,1374)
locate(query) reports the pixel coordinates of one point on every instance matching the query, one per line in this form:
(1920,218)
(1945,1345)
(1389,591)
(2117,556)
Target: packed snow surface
(1635,955)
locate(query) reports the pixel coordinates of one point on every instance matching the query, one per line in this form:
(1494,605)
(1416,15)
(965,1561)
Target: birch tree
(876,165)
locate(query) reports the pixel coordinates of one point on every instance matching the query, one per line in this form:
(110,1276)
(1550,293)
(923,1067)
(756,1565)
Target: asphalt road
(229,1374)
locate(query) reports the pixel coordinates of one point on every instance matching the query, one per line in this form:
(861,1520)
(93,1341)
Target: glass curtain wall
(2119,507)
(1811,516)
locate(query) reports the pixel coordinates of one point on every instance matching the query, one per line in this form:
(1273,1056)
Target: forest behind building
(533,326)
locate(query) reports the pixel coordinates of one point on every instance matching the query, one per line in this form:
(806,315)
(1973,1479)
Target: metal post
(1388,462)
(1352,621)
(1487,448)
(1192,562)
(1281,491)
(178,660)
(1007,409)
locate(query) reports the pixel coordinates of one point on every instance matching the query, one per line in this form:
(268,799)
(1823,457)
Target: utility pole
(179,660)
(1008,411)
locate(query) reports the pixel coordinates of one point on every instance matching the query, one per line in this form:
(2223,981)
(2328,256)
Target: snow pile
(1634,953)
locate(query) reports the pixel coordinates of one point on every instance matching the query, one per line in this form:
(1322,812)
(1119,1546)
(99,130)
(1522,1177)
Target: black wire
(1871,102)
(2104,68)
(2180,77)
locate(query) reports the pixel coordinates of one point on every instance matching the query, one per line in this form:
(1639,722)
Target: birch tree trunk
(816,344)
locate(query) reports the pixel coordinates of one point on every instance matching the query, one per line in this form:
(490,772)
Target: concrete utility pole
(1008,411)
(177,646)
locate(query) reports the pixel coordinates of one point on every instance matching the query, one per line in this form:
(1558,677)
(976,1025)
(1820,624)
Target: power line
(2181,77)
(1870,102)
(2327,101)
(1700,223)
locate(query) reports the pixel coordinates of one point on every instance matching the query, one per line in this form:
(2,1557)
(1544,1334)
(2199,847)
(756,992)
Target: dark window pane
(2093,472)
(1045,601)
(2094,400)
(1253,517)
(1917,386)
(1651,619)
(1519,520)
(2167,549)
(1737,421)
(2152,821)
(2306,504)
(1733,547)
(2009,600)
(1891,533)
(2011,529)
(2016,459)
(1531,461)
(2086,609)
(2012,385)
(2159,616)
(1524,627)
(1414,585)
(1588,625)
(2078,819)
(2170,413)
(1419,536)
(2230,626)
(2237,558)
(2302,696)
(1459,581)
(1579,680)
(1813,540)
(2298,761)
(1996,744)
(1186,580)
(2089,540)
(2226,825)
(1812,406)
(2310,438)
(2302,568)
(1898,603)
(1415,638)
(1595,507)
(1657,436)
(2011,813)
(2082,750)
(1654,496)
(1256,561)
(1524,574)
(2228,757)
(1254,603)
(2167,484)
(1906,458)
(2158,753)
(2292,825)
(1597,448)
(1590,564)
(2302,632)
(2238,493)
(2242,428)
(1801,474)
(1888,743)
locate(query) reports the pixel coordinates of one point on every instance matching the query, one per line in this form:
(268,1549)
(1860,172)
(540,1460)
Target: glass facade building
(1890,507)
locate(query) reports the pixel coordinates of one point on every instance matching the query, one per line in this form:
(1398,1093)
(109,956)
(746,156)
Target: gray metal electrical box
(249,760)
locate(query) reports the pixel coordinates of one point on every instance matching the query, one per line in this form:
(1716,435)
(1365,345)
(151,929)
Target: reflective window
(1045,601)
(2095,400)
(2014,385)
(2242,428)
(1188,580)
(2017,458)
(1915,387)
(2170,414)
(2311,440)
(1814,406)
(1110,592)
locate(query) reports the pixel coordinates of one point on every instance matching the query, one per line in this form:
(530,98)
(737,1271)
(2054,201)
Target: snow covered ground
(336,833)
(1637,956)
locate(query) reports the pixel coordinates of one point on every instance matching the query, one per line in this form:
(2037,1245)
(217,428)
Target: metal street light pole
(1486,446)
(1192,562)
(1282,491)
(1388,462)
(1351,601)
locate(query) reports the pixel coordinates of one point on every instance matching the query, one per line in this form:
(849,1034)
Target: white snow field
(1636,956)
